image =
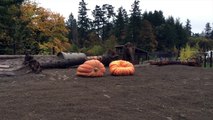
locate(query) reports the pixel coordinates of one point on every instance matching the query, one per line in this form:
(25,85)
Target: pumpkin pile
(121,67)
(91,68)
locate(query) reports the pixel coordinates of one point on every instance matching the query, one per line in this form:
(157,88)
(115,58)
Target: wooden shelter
(139,55)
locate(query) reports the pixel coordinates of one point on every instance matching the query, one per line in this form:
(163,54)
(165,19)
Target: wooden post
(204,59)
(53,50)
(211,59)
(14,48)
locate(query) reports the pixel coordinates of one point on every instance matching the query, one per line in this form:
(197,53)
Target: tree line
(26,26)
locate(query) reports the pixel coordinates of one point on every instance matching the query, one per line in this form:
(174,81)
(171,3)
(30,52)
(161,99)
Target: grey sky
(199,12)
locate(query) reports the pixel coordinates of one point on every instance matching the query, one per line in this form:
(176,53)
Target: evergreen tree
(155,18)
(121,24)
(135,22)
(109,12)
(147,40)
(93,39)
(108,25)
(182,35)
(158,18)
(83,23)
(170,20)
(9,25)
(188,28)
(207,30)
(73,29)
(99,20)
(211,35)
(167,35)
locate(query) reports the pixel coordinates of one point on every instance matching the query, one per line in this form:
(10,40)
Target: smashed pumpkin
(121,67)
(91,68)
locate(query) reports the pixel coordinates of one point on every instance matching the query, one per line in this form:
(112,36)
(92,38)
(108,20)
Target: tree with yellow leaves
(48,28)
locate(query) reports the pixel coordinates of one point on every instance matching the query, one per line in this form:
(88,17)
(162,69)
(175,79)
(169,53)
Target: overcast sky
(199,12)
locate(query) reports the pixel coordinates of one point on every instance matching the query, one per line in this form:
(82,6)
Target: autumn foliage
(48,28)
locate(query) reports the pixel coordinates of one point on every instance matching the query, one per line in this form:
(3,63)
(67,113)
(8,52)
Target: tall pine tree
(155,18)
(166,35)
(73,30)
(108,25)
(182,34)
(121,24)
(135,23)
(99,21)
(211,36)
(207,30)
(188,28)
(83,23)
(148,40)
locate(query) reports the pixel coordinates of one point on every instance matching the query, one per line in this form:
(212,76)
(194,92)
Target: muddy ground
(174,92)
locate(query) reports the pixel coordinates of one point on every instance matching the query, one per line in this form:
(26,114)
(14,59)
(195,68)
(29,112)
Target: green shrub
(96,50)
(74,48)
(188,52)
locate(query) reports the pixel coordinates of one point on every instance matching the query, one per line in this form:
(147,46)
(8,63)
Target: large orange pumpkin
(121,67)
(91,68)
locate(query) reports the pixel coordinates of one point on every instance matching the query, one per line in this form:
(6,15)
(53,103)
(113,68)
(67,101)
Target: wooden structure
(141,55)
(131,53)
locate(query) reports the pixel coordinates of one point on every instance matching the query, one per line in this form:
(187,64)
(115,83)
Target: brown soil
(172,92)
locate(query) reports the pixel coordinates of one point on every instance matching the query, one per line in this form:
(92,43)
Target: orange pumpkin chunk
(121,67)
(91,68)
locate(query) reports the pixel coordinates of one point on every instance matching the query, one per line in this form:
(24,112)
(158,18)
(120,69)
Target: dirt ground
(174,92)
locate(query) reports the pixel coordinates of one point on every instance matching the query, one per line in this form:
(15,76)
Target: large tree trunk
(11,56)
(21,56)
(63,63)
(65,60)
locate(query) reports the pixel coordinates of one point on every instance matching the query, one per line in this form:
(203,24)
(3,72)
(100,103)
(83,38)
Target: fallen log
(73,59)
(62,63)
(71,56)
(162,63)
(22,56)
(11,56)
(65,60)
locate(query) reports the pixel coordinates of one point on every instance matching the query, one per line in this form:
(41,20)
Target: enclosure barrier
(208,59)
